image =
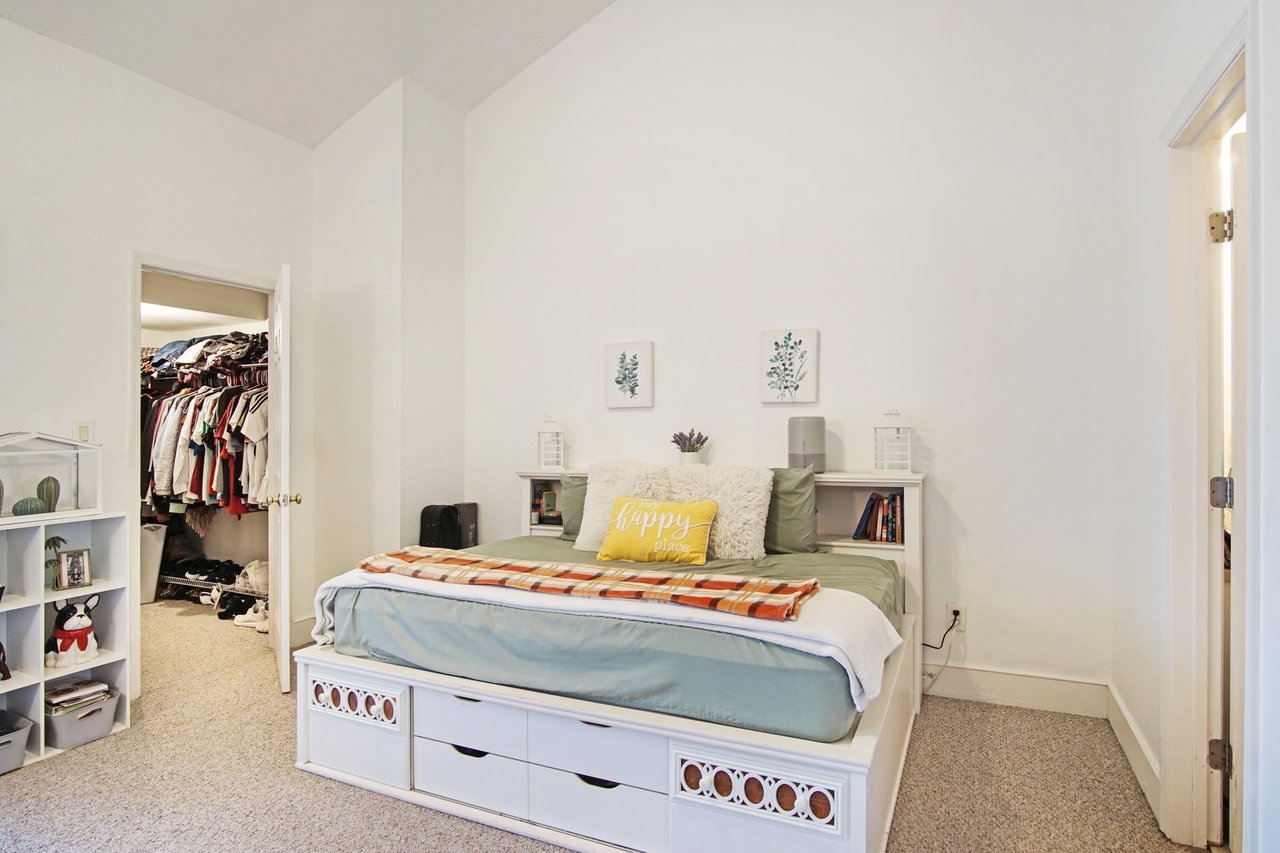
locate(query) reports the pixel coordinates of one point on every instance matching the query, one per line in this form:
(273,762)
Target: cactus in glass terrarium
(48,490)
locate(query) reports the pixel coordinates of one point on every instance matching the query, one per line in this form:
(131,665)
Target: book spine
(897,527)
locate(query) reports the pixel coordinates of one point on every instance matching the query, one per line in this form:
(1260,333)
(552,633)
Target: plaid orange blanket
(761,598)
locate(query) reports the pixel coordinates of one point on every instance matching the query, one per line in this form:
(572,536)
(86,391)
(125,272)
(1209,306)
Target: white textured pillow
(742,498)
(611,480)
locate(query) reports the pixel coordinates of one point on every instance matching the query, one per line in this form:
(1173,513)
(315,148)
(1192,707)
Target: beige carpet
(991,778)
(208,765)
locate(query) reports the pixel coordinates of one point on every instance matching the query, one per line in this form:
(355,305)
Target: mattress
(670,669)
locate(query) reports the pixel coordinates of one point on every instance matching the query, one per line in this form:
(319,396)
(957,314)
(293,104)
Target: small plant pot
(693,457)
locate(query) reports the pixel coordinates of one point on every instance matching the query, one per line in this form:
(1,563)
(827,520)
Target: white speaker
(807,443)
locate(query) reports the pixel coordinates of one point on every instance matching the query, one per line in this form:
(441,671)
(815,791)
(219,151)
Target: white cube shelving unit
(27,612)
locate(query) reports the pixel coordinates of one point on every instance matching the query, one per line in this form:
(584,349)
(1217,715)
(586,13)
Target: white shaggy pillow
(742,498)
(608,481)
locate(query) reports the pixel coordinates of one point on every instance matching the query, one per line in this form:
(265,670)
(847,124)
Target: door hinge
(1220,756)
(1222,492)
(1221,226)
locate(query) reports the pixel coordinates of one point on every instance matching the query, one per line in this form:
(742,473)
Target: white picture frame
(628,375)
(789,366)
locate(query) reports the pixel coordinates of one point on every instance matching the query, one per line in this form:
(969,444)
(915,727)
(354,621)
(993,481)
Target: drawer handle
(597,725)
(467,751)
(6,743)
(465,698)
(89,714)
(596,781)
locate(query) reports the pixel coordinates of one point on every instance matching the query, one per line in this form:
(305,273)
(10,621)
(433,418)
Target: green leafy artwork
(787,367)
(628,376)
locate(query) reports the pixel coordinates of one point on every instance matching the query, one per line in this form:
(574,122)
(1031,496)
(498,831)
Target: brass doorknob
(271,500)
(293,499)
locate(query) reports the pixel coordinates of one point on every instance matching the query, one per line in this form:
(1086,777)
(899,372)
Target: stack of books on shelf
(881,519)
(73,697)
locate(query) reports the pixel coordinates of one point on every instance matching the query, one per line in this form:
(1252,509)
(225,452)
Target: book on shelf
(73,691)
(881,519)
(860,531)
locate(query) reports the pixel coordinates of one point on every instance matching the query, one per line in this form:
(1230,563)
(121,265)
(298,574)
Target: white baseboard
(1022,690)
(300,632)
(1136,749)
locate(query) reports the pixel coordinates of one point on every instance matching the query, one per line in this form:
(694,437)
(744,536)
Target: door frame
(158,263)
(1207,111)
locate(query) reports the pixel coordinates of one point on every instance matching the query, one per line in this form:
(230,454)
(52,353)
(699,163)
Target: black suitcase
(440,527)
(468,518)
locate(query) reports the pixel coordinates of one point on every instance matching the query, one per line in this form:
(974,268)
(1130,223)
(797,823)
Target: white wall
(358,174)
(1262,699)
(921,182)
(432,305)
(389,278)
(160,337)
(1159,51)
(97,163)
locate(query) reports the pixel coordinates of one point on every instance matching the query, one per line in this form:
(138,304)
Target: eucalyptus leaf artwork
(628,378)
(629,372)
(789,366)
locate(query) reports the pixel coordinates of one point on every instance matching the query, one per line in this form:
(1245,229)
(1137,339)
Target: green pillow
(792,524)
(573,495)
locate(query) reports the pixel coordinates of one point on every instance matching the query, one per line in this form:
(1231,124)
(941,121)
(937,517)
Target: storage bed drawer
(608,752)
(471,776)
(467,721)
(599,808)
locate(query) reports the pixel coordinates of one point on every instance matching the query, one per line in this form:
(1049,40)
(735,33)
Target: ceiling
(303,67)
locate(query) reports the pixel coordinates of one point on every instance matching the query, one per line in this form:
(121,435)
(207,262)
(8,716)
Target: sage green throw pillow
(573,496)
(792,525)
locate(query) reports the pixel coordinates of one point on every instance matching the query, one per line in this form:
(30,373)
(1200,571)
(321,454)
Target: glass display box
(44,477)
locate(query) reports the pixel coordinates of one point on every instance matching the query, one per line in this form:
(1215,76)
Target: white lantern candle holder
(893,443)
(551,456)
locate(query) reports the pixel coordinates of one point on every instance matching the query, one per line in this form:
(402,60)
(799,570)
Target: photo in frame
(629,375)
(789,366)
(74,569)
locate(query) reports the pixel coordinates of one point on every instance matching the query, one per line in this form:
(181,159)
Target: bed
(598,733)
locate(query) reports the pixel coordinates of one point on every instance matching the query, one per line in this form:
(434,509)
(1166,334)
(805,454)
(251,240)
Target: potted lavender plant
(690,444)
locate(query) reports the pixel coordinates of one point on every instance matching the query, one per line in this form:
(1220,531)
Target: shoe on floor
(256,614)
(263,627)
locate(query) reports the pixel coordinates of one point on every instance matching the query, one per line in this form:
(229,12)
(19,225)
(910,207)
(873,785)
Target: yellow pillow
(658,532)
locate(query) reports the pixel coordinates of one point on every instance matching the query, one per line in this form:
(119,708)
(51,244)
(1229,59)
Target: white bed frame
(591,777)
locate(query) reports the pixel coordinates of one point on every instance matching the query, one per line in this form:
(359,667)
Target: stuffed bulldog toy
(72,641)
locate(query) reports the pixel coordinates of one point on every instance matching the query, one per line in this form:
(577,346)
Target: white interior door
(278,477)
(1239,408)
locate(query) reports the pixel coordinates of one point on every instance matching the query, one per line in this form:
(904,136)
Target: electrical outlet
(963,622)
(82,431)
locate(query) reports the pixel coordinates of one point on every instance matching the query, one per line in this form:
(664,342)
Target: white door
(278,477)
(1239,402)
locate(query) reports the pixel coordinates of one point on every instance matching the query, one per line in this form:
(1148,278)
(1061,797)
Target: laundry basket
(64,731)
(14,731)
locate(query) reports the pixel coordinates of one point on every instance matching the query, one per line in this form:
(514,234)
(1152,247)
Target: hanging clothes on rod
(204,434)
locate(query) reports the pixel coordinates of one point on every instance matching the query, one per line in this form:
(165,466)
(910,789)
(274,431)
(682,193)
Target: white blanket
(834,623)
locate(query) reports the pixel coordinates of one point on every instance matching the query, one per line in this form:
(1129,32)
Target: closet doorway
(1206,752)
(212,446)
(1228,234)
